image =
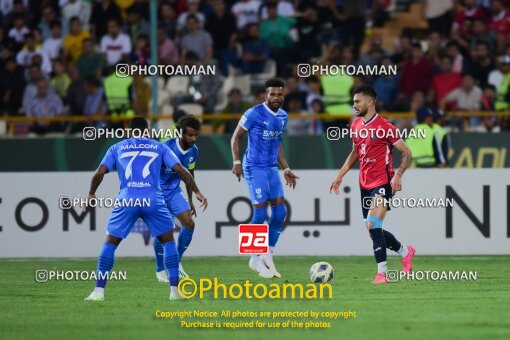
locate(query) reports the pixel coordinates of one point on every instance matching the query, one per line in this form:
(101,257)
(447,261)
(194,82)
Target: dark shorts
(367,196)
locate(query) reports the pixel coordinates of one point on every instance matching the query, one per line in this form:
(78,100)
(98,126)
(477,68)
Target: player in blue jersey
(187,153)
(264,124)
(138,162)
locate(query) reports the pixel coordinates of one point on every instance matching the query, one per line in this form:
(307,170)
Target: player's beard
(362,113)
(275,106)
(186,145)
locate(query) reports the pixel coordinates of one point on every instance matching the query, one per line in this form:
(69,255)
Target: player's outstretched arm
(348,164)
(189,191)
(186,177)
(96,181)
(234,144)
(396,181)
(290,177)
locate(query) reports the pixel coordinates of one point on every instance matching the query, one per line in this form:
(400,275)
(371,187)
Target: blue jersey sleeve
(109,159)
(169,158)
(247,120)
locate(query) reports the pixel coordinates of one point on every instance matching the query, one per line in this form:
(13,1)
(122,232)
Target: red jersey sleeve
(392,134)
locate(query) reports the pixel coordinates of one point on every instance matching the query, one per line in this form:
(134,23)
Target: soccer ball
(321,272)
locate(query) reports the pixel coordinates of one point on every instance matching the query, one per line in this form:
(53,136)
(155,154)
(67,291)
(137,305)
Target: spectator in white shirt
(468,98)
(76,8)
(48,16)
(115,46)
(17,33)
(246,12)
(53,45)
(25,56)
(193,9)
(496,76)
(283,9)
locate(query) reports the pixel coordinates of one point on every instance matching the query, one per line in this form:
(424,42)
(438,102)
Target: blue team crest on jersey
(169,179)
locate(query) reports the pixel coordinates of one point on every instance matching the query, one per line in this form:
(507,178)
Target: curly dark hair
(188,121)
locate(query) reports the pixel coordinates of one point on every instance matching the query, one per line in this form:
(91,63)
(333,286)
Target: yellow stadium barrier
(230,116)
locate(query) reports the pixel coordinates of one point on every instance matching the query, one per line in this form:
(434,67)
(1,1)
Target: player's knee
(377,235)
(278,212)
(167,237)
(373,222)
(189,224)
(259,215)
(114,240)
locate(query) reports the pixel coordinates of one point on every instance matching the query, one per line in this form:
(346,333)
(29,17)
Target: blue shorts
(156,217)
(176,202)
(264,184)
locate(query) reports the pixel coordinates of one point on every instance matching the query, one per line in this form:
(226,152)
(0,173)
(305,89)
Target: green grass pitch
(405,310)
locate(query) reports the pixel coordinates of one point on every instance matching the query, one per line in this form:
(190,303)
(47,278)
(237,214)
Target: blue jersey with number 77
(138,163)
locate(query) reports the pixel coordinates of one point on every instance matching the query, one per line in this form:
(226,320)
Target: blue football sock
(259,215)
(184,240)
(278,213)
(171,260)
(105,263)
(158,253)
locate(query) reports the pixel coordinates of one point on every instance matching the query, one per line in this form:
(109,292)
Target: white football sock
(382,267)
(99,290)
(174,290)
(403,251)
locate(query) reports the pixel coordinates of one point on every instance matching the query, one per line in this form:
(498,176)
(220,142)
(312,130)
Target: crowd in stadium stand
(59,58)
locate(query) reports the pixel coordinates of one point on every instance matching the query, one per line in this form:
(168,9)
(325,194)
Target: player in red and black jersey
(373,141)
